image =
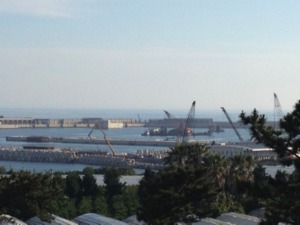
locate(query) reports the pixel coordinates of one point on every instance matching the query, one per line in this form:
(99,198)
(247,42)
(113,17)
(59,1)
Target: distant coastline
(142,114)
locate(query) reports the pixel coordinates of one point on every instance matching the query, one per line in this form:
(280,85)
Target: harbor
(147,153)
(95,141)
(89,122)
(142,159)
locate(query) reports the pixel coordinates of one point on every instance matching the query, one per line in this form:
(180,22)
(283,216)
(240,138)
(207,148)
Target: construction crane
(232,125)
(139,118)
(277,111)
(189,123)
(169,115)
(98,126)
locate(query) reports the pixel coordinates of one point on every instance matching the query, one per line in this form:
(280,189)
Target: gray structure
(29,122)
(230,149)
(197,122)
(56,220)
(132,220)
(9,220)
(96,219)
(238,218)
(227,219)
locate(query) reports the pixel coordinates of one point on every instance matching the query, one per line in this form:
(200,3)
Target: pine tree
(285,203)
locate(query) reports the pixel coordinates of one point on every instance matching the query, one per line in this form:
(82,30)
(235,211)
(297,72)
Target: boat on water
(204,133)
(179,131)
(162,131)
(216,129)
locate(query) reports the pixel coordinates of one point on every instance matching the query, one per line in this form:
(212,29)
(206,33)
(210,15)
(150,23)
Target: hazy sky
(161,54)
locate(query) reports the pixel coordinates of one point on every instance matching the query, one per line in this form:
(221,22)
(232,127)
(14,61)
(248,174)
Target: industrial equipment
(169,115)
(189,123)
(277,111)
(231,123)
(98,126)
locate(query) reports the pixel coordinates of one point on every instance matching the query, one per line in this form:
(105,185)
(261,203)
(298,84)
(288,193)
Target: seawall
(158,142)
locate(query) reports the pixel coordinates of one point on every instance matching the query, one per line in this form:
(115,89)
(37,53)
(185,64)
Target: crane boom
(189,121)
(169,115)
(277,111)
(104,137)
(231,123)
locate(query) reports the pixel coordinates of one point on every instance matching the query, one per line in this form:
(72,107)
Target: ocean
(142,114)
(124,133)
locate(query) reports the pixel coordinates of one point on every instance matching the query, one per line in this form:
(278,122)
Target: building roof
(56,220)
(9,220)
(228,219)
(96,219)
(245,145)
(210,221)
(238,218)
(129,180)
(132,220)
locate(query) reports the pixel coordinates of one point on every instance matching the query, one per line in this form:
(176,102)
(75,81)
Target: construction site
(170,131)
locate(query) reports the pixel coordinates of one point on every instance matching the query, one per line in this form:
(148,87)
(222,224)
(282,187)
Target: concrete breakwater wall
(57,155)
(61,156)
(28,122)
(159,142)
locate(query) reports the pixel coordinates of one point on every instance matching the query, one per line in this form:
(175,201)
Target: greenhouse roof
(96,219)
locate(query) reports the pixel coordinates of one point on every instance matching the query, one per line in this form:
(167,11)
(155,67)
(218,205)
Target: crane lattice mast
(231,123)
(169,115)
(277,111)
(98,126)
(189,123)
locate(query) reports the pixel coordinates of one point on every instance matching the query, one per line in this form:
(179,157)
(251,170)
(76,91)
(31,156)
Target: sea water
(138,114)
(124,133)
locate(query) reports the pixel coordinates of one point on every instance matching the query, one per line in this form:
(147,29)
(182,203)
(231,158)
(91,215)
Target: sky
(149,54)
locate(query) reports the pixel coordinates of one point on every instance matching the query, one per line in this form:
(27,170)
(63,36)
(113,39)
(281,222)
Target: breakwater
(28,122)
(46,139)
(143,159)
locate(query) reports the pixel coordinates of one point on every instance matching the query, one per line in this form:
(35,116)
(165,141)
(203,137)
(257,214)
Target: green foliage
(131,201)
(2,170)
(225,202)
(112,182)
(259,174)
(73,185)
(24,195)
(118,208)
(182,154)
(89,186)
(240,175)
(180,189)
(220,168)
(88,170)
(65,208)
(121,170)
(197,183)
(85,205)
(284,141)
(283,201)
(100,205)
(261,189)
